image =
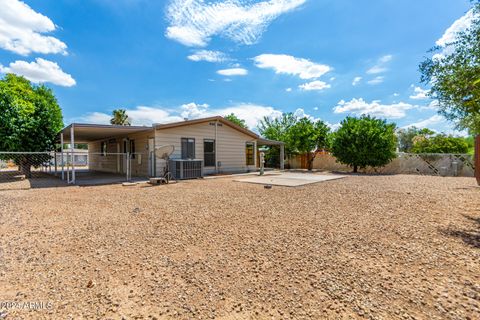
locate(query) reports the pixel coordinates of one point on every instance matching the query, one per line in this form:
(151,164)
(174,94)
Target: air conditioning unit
(186,169)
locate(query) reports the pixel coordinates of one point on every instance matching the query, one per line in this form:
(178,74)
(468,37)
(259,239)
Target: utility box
(186,169)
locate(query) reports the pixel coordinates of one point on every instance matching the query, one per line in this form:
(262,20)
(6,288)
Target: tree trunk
(25,168)
(477,158)
(310,161)
(355,169)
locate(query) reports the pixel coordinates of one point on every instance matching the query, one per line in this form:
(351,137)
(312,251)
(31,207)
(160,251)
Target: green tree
(440,143)
(120,117)
(30,119)
(454,76)
(365,141)
(233,118)
(306,137)
(406,137)
(278,129)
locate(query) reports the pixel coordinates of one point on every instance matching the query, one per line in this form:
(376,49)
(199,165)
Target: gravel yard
(373,247)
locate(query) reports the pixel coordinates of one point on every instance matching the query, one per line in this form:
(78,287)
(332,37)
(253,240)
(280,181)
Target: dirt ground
(364,247)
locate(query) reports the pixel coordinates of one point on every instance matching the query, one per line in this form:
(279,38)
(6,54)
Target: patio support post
(61,156)
(282,157)
(216,149)
(55,161)
(72,145)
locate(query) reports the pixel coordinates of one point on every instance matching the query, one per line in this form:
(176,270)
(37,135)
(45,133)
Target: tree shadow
(469,236)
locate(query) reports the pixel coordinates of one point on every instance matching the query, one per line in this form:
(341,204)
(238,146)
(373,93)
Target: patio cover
(83,133)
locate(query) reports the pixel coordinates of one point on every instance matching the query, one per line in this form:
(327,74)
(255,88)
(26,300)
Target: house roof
(85,132)
(202,120)
(92,132)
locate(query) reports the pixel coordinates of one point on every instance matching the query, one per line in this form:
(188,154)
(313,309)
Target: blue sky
(167,60)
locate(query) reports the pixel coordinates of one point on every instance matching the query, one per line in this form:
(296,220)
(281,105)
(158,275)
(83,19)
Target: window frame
(248,156)
(210,153)
(189,141)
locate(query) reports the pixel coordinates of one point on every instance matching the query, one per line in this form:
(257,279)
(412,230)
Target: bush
(365,141)
(440,144)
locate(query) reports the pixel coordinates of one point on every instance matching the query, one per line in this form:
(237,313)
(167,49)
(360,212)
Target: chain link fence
(23,170)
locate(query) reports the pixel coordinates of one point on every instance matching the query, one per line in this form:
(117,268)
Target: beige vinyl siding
(230,145)
(116,163)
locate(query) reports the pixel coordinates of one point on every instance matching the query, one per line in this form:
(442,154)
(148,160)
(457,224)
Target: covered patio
(272,143)
(76,133)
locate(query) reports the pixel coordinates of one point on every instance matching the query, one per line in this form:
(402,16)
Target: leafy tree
(301,136)
(440,143)
(406,137)
(471,144)
(454,76)
(364,141)
(306,136)
(30,119)
(120,117)
(233,118)
(278,129)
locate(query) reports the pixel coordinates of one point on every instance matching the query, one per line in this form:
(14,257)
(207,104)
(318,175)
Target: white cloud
(233,72)
(40,71)
(460,25)
(195,22)
(434,120)
(143,115)
(193,110)
(22,30)
(288,89)
(419,94)
(95,117)
(356,81)
(316,85)
(316,108)
(208,55)
(376,80)
(282,63)
(380,66)
(374,108)
(450,35)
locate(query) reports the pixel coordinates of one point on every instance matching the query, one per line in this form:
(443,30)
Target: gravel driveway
(364,247)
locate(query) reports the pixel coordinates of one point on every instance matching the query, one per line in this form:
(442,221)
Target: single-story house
(216,144)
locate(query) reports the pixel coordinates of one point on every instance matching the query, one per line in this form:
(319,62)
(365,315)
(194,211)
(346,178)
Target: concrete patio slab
(288,179)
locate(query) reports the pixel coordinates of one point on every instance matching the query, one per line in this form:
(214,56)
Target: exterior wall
(114,162)
(230,145)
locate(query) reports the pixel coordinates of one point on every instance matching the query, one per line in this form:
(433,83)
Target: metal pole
(55,162)
(216,142)
(72,145)
(128,166)
(61,156)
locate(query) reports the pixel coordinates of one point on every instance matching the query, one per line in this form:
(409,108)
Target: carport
(77,133)
(273,143)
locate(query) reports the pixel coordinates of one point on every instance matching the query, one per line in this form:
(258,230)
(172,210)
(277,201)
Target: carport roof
(266,142)
(92,132)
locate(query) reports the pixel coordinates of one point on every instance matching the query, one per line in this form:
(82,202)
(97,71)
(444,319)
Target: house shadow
(470,236)
(15,180)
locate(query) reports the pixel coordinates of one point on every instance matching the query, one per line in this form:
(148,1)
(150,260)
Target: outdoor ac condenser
(186,169)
